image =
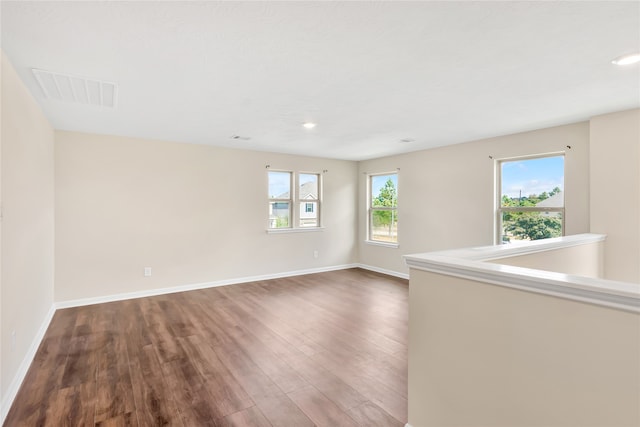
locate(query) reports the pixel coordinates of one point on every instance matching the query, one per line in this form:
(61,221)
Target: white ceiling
(368,73)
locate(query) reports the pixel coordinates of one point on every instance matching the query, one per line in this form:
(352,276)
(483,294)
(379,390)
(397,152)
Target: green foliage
(532,225)
(388,197)
(530,200)
(384,218)
(282,222)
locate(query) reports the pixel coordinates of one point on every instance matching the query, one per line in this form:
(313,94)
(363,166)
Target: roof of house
(555,201)
(308,190)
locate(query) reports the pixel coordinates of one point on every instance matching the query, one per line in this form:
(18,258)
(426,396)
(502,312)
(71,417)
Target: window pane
(533,182)
(530,225)
(309,214)
(279,215)
(384,225)
(308,186)
(384,190)
(279,185)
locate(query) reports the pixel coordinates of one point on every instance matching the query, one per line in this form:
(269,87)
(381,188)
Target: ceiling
(370,74)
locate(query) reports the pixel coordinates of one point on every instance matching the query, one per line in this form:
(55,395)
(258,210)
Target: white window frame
(371,209)
(295,203)
(299,201)
(288,200)
(499,209)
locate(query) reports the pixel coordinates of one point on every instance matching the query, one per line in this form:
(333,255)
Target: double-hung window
(530,198)
(383,208)
(295,209)
(280,199)
(308,199)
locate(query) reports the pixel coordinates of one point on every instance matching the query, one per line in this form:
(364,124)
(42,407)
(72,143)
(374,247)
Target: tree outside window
(531,199)
(383,208)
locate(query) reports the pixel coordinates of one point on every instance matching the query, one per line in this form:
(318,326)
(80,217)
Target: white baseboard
(384,271)
(195,286)
(407,425)
(16,382)
(7,399)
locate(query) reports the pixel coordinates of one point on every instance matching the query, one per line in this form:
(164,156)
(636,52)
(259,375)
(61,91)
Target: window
(308,200)
(306,196)
(530,202)
(383,208)
(280,199)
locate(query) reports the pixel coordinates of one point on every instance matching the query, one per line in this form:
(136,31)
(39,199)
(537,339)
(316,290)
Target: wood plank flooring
(326,349)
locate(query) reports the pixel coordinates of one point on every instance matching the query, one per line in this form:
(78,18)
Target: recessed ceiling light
(243,138)
(406,140)
(309,125)
(629,59)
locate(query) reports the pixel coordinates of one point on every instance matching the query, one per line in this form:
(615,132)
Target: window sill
(294,230)
(385,244)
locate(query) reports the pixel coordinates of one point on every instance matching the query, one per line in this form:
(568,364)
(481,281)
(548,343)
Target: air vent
(80,90)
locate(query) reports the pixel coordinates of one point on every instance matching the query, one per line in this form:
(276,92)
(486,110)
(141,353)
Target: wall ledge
(469,264)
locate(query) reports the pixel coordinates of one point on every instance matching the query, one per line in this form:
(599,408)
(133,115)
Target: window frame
(300,201)
(295,203)
(371,209)
(499,209)
(280,200)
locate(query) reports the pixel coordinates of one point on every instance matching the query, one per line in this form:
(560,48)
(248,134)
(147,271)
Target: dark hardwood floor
(326,349)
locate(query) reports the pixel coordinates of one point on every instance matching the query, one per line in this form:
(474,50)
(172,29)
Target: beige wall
(486,355)
(446,195)
(27,221)
(192,213)
(581,260)
(615,191)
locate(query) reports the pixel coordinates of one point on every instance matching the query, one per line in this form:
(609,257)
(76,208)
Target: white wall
(487,355)
(615,191)
(580,260)
(192,213)
(27,259)
(446,195)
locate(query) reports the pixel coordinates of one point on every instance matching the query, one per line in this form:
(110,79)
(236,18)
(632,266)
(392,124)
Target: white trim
(407,425)
(469,264)
(383,271)
(12,391)
(293,230)
(384,244)
(195,286)
(487,253)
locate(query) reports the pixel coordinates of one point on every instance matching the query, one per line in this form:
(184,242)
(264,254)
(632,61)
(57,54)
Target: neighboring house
(308,209)
(555,201)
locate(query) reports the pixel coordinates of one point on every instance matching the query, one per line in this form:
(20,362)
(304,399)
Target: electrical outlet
(147,272)
(13,340)
(315,254)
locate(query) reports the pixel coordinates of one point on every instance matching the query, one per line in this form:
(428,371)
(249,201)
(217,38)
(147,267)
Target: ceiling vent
(79,90)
